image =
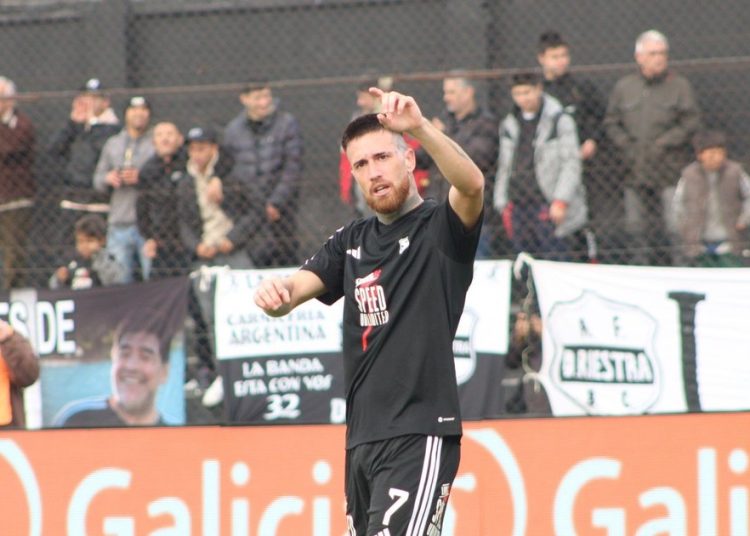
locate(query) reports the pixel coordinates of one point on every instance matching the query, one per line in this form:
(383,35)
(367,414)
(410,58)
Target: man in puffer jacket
(266,146)
(538,188)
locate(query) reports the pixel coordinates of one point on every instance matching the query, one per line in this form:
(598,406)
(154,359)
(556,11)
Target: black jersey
(404,286)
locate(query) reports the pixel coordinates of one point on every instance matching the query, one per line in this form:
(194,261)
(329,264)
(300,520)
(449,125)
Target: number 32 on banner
(282,407)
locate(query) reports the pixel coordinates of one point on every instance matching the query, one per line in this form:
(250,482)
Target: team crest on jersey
(604,355)
(403,244)
(464,353)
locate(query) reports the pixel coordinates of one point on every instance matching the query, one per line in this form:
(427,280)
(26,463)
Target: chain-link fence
(285,179)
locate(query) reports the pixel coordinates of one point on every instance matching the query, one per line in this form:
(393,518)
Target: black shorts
(400,486)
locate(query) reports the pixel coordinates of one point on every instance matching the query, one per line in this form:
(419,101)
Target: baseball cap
(201,134)
(138,100)
(92,85)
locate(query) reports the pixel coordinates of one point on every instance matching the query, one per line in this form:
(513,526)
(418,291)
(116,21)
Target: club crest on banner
(604,356)
(464,351)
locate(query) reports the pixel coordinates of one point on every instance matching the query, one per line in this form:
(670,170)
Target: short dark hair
(709,139)
(364,124)
(92,225)
(157,323)
(255,85)
(525,78)
(550,39)
(463,76)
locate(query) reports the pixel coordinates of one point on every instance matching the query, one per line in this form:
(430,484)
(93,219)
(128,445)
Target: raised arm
(277,296)
(400,113)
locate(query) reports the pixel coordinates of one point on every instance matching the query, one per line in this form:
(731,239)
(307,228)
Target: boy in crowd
(93,265)
(712,202)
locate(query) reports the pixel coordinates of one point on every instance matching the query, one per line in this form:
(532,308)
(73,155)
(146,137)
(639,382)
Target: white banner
(483,328)
(244,331)
(628,339)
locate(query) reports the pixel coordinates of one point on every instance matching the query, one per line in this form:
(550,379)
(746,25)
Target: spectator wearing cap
(538,189)
(266,145)
(214,209)
(712,204)
(217,215)
(75,150)
(17,185)
(117,173)
(651,116)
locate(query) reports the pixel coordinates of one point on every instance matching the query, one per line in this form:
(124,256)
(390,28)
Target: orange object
(517,477)
(6,411)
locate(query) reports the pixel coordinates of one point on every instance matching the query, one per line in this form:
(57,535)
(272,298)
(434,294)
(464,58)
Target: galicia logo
(604,358)
(16,460)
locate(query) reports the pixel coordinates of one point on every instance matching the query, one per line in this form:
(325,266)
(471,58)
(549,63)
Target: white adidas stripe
(427,483)
(420,489)
(432,485)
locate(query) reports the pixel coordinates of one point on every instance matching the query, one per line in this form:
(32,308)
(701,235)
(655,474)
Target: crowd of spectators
(556,164)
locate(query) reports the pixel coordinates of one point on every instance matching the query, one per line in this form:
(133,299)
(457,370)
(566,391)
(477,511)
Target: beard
(392,202)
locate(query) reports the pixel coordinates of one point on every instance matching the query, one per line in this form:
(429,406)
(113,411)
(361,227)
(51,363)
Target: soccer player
(403,274)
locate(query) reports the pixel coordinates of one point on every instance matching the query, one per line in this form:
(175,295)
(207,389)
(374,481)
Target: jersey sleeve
(328,265)
(457,242)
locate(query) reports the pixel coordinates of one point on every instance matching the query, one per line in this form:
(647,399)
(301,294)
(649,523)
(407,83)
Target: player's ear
(410,158)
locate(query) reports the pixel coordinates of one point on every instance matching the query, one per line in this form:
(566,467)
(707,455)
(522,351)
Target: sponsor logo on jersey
(599,376)
(371,301)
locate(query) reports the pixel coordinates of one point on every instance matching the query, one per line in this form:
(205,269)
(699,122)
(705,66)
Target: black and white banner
(627,340)
(285,369)
(290,369)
